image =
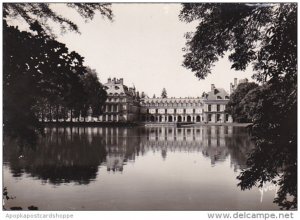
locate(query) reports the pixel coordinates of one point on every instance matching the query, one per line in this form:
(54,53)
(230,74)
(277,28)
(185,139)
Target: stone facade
(123,104)
(207,109)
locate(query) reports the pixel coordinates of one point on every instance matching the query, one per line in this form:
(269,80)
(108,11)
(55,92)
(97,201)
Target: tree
(38,73)
(265,35)
(204,95)
(164,93)
(41,78)
(235,106)
(43,14)
(94,92)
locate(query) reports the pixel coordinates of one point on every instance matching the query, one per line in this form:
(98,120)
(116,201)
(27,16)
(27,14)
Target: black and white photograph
(150,106)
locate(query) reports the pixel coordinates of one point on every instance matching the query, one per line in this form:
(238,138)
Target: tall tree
(235,106)
(265,35)
(164,94)
(41,78)
(94,92)
(37,71)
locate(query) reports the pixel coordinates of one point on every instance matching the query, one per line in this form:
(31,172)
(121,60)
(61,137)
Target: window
(194,111)
(156,111)
(218,108)
(175,110)
(209,108)
(227,117)
(209,117)
(165,111)
(219,97)
(218,117)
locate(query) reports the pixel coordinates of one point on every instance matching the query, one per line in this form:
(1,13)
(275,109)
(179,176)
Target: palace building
(208,109)
(124,104)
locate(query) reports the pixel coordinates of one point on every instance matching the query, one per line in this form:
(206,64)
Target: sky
(143,45)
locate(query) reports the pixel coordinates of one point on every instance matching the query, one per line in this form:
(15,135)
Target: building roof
(172,100)
(217,94)
(116,87)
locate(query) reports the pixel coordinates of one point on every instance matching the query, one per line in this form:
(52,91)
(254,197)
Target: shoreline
(143,124)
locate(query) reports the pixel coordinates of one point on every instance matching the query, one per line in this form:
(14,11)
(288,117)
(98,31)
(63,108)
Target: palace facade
(124,104)
(208,109)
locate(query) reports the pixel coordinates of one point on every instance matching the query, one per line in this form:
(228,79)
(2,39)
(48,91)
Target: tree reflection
(75,154)
(62,156)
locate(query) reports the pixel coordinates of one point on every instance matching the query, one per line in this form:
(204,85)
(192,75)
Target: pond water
(139,168)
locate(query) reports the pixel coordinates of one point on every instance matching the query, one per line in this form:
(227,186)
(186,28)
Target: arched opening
(160,119)
(198,118)
(170,119)
(152,119)
(179,118)
(189,119)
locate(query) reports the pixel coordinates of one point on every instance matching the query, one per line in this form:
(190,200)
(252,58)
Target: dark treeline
(43,81)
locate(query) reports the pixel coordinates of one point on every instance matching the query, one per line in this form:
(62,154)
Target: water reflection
(76,154)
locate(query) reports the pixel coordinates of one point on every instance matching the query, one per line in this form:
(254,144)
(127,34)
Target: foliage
(43,14)
(164,93)
(41,78)
(40,75)
(266,36)
(235,106)
(249,31)
(36,69)
(275,133)
(94,92)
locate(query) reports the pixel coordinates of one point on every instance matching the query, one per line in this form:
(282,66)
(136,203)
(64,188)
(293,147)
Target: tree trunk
(64,114)
(50,112)
(71,115)
(56,113)
(42,114)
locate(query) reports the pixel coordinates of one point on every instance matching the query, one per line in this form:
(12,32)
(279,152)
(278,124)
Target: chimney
(235,82)
(121,81)
(109,80)
(212,87)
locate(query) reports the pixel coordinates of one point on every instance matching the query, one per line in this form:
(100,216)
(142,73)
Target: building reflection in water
(76,154)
